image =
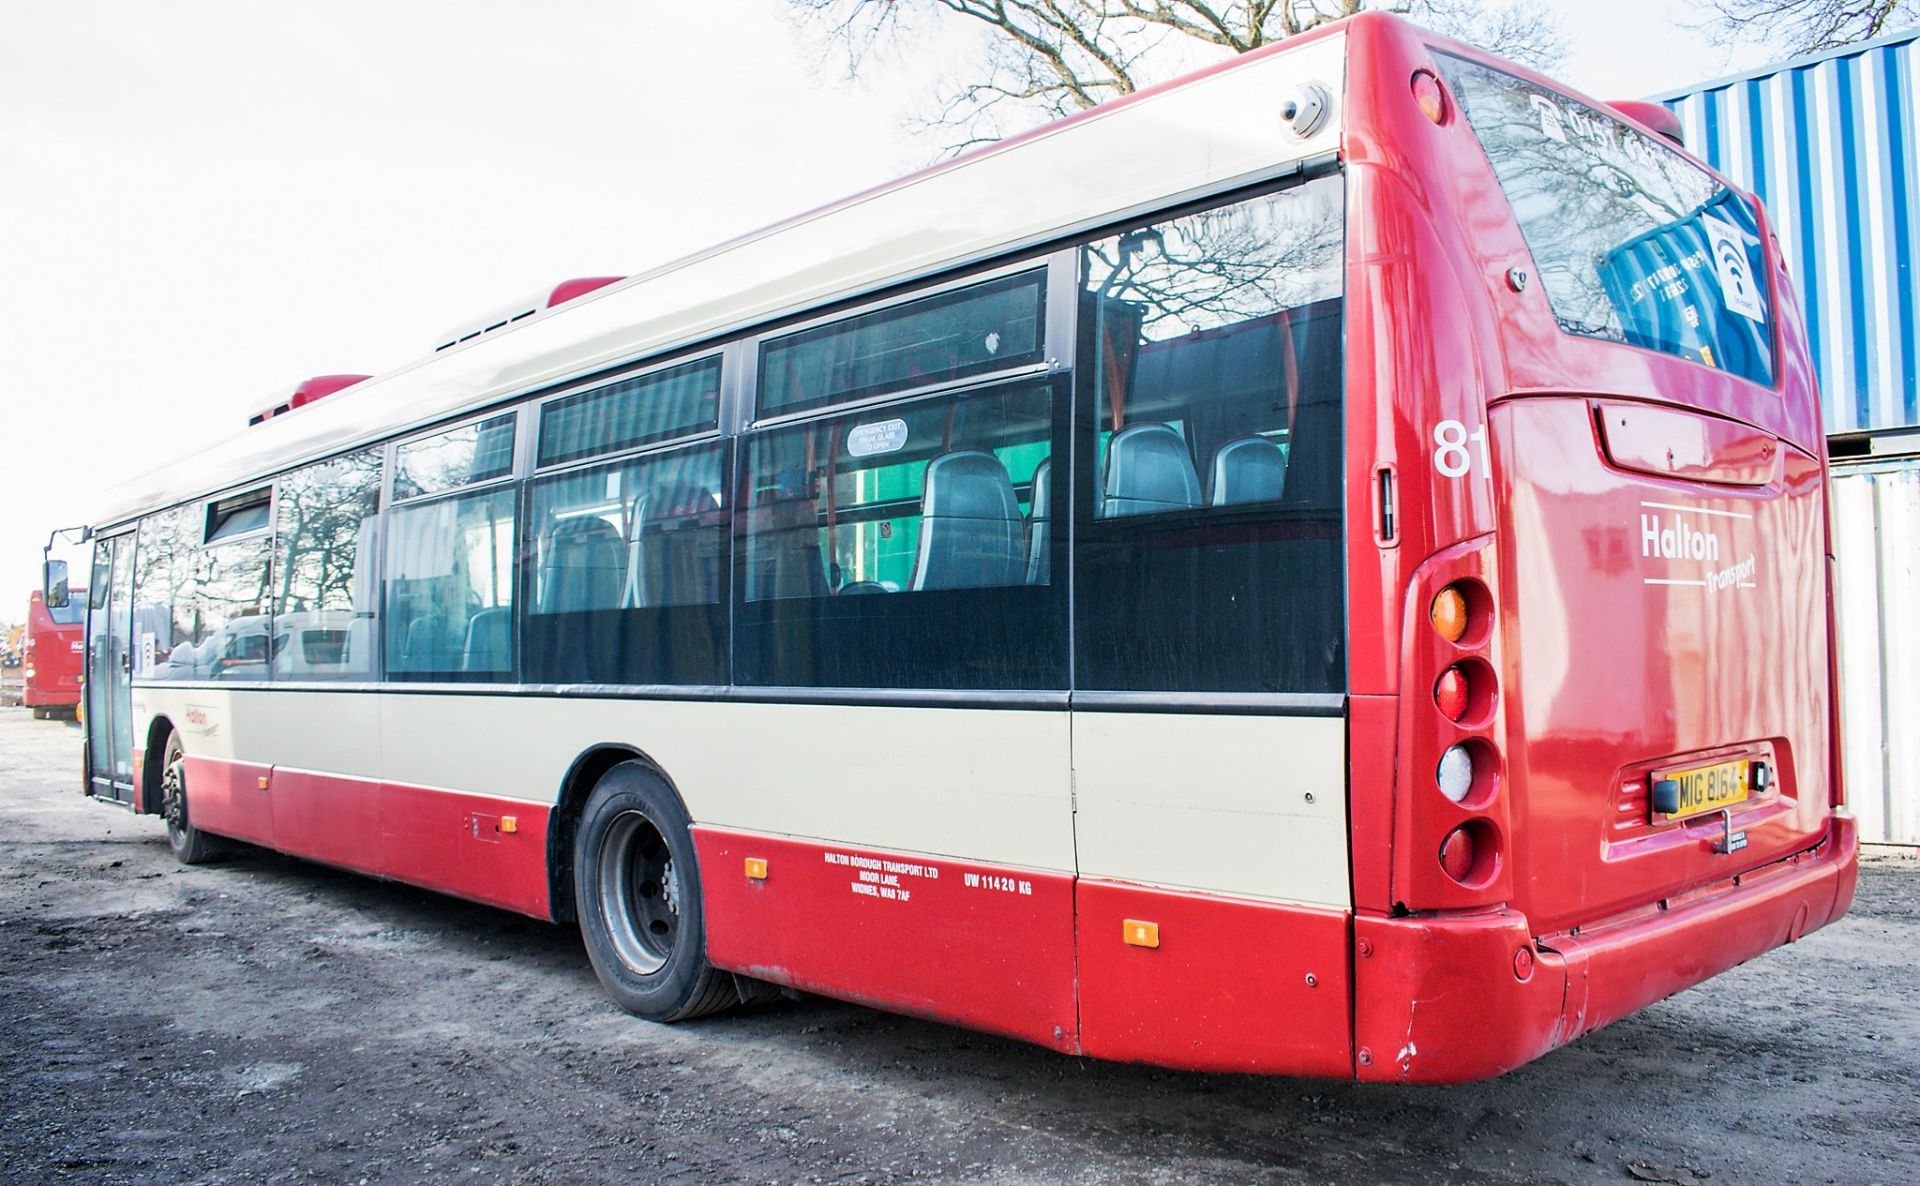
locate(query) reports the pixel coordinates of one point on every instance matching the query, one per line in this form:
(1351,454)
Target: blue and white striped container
(1828,142)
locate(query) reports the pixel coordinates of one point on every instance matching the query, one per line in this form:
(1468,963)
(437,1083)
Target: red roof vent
(566,290)
(1652,116)
(318,387)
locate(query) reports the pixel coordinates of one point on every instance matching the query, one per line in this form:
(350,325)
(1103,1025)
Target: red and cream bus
(1317,568)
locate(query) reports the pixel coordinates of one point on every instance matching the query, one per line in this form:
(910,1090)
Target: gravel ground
(263,1020)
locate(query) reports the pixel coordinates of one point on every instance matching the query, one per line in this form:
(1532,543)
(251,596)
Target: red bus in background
(50,655)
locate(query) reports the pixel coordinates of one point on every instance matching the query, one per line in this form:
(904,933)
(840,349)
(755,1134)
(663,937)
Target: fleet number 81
(1450,454)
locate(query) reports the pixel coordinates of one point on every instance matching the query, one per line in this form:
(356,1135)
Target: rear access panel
(1664,619)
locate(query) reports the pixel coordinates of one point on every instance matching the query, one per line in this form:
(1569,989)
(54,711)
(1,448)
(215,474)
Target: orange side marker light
(1140,934)
(756,868)
(509,823)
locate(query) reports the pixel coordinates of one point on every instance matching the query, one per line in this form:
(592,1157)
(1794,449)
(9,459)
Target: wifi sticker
(1739,287)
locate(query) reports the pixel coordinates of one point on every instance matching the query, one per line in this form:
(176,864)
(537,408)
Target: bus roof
(1100,166)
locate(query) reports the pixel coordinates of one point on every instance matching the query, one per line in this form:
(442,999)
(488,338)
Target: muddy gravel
(264,1020)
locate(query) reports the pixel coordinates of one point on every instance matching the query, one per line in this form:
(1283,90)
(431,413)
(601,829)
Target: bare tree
(1042,59)
(1804,26)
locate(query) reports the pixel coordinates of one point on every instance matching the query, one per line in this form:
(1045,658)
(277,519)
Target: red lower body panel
(448,841)
(1206,982)
(1455,998)
(228,798)
(328,817)
(980,946)
(1232,986)
(457,843)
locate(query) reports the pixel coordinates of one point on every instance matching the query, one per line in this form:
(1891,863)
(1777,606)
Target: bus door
(110,671)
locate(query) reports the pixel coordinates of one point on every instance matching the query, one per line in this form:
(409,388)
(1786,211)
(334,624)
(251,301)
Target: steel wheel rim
(173,799)
(639,893)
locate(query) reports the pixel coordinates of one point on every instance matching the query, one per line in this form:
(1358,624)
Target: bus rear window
(1634,243)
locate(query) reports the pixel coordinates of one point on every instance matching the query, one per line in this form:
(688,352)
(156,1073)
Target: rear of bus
(50,655)
(1600,558)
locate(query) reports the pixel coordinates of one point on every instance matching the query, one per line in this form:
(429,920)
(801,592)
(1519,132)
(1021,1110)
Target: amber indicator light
(1429,97)
(1137,933)
(1450,614)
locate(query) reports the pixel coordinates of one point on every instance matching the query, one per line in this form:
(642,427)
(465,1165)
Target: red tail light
(1457,855)
(1450,693)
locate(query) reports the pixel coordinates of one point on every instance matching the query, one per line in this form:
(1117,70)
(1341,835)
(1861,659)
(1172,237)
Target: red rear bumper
(41,696)
(1452,999)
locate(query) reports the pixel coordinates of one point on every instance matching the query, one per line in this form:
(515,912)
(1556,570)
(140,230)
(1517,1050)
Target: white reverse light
(1456,773)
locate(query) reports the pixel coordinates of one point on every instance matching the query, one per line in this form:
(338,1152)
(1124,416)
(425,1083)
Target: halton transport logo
(1692,534)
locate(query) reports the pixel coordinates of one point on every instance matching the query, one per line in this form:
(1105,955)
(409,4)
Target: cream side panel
(1217,803)
(979,784)
(143,711)
(214,722)
(331,732)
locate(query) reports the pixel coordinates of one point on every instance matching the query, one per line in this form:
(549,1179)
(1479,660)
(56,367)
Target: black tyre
(190,845)
(636,889)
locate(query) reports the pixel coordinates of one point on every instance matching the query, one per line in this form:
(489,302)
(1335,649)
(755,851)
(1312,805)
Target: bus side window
(627,571)
(1211,558)
(326,519)
(895,547)
(230,610)
(449,590)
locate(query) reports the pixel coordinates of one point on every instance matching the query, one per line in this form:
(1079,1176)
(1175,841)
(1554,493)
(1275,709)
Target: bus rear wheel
(190,845)
(637,892)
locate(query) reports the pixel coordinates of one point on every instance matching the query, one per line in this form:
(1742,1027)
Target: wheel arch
(575,786)
(152,764)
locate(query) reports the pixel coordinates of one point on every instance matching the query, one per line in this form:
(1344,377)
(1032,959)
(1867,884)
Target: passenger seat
(489,645)
(583,566)
(1248,469)
(1037,534)
(1148,471)
(971,529)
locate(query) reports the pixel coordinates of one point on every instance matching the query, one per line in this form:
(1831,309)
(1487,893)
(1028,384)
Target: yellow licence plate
(1709,788)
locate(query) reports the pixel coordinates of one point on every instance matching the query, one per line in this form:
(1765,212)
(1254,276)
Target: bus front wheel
(190,845)
(637,892)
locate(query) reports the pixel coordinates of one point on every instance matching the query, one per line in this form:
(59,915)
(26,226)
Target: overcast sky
(203,202)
